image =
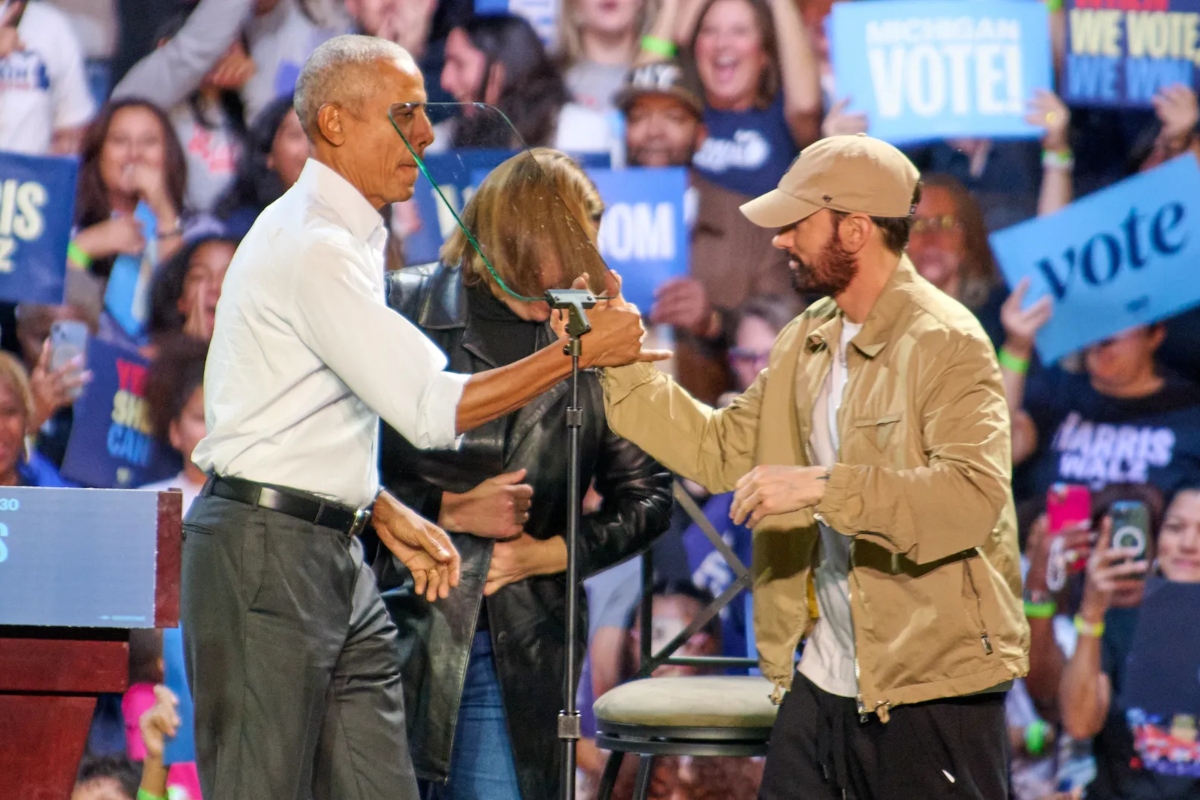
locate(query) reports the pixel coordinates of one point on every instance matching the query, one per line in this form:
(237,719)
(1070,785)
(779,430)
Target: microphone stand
(573,301)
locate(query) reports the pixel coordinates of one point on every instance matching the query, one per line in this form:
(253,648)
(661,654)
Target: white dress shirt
(306,355)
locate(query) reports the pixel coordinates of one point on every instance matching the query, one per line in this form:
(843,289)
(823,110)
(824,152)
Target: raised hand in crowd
(54,389)
(497,508)
(233,70)
(420,545)
(839,122)
(1178,113)
(198,323)
(158,724)
(150,184)
(1022,324)
(1047,110)
(683,303)
(10,40)
(121,233)
(1112,576)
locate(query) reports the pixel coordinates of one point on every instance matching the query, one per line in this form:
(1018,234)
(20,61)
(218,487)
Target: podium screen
(78,557)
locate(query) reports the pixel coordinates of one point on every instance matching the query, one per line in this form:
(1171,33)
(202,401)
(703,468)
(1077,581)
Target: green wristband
(658,46)
(78,256)
(1043,610)
(1035,737)
(145,795)
(1012,363)
(1054,5)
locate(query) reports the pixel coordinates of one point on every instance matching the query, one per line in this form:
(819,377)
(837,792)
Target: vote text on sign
(1118,258)
(1123,52)
(942,68)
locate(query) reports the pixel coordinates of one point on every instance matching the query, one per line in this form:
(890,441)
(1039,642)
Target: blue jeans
(481,763)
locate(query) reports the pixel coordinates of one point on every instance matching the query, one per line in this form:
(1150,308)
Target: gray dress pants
(292,660)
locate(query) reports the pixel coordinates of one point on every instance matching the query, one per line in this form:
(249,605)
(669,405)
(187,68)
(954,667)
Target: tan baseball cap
(857,174)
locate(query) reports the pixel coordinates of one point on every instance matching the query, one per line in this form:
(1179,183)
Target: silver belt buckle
(361,517)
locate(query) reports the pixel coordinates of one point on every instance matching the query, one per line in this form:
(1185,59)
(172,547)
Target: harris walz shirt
(1088,438)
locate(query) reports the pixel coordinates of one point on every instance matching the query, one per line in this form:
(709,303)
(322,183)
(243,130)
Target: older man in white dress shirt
(292,658)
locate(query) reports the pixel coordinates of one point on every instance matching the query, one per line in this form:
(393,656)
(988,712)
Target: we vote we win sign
(931,70)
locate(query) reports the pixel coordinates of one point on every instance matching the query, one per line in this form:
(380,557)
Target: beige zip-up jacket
(923,488)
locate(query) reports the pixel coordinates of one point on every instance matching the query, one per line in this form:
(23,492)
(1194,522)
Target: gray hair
(332,74)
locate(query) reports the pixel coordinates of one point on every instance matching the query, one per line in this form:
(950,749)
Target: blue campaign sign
(37,209)
(111,446)
(182,747)
(942,68)
(1118,258)
(457,173)
(1123,52)
(643,234)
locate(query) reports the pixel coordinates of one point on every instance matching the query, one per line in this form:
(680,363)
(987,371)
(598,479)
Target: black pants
(820,750)
(292,661)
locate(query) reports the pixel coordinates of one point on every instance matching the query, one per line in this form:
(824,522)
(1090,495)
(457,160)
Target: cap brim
(777,209)
(629,95)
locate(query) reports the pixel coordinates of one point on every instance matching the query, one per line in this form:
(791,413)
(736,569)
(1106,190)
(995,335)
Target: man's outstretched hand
(617,332)
(420,545)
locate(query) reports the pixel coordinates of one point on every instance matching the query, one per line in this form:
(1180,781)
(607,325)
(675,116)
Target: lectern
(79,568)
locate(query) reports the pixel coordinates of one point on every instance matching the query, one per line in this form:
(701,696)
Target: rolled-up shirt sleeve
(380,356)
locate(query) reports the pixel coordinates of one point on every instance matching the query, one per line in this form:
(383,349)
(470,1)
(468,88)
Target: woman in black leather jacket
(483,669)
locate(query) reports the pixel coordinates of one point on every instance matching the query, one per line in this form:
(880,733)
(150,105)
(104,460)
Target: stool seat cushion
(701,701)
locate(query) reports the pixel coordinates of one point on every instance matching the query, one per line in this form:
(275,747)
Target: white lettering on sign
(20,216)
(640,231)
(930,67)
(1098,454)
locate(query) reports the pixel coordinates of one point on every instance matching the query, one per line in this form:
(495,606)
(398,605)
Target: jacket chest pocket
(876,441)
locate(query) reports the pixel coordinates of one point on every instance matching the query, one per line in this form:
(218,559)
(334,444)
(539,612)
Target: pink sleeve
(137,701)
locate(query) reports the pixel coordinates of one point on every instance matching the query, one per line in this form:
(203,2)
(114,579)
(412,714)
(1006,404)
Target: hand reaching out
(776,489)
(617,332)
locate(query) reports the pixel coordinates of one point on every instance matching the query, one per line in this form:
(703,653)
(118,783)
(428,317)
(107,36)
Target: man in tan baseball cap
(845,203)
(872,460)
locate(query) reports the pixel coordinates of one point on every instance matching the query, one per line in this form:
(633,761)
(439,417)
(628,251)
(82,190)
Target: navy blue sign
(111,445)
(1123,52)
(37,207)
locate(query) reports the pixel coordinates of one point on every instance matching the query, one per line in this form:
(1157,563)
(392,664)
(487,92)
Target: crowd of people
(182,118)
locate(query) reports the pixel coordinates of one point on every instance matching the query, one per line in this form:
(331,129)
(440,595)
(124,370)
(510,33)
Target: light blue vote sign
(942,68)
(1119,258)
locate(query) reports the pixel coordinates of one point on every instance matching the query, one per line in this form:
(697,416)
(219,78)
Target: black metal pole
(568,720)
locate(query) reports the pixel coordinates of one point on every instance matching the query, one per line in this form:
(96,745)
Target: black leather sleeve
(636,508)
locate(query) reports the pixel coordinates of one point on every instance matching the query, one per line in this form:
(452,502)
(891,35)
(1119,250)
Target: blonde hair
(536,209)
(570,37)
(13,375)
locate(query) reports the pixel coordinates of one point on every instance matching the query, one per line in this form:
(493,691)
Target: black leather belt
(341,518)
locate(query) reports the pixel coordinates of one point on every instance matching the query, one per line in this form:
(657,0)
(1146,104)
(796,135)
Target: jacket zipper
(983,634)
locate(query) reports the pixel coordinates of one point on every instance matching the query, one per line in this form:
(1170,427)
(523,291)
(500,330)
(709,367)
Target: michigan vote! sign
(1123,52)
(37,204)
(931,70)
(1118,258)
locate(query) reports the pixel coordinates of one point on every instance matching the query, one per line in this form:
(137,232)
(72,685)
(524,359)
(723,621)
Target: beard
(829,273)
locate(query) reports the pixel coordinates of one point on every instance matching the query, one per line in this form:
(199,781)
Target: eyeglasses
(934,225)
(745,357)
